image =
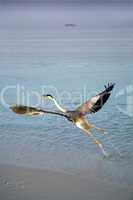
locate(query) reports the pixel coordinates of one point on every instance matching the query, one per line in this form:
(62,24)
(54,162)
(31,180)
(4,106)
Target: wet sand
(19,183)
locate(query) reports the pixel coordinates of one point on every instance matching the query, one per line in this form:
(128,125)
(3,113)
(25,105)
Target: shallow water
(39,54)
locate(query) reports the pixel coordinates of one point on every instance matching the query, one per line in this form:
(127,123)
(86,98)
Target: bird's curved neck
(58,106)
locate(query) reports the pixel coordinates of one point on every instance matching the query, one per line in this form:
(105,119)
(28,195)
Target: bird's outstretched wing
(28,110)
(95,103)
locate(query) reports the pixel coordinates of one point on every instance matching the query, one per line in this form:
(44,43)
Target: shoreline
(28,183)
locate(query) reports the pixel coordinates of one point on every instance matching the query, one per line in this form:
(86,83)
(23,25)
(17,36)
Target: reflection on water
(37,50)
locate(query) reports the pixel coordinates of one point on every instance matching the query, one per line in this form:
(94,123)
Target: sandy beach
(35,184)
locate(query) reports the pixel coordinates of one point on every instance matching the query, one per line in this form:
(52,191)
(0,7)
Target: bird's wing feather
(28,110)
(95,103)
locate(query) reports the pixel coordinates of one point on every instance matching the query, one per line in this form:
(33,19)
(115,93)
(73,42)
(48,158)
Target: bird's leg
(109,137)
(97,142)
(102,130)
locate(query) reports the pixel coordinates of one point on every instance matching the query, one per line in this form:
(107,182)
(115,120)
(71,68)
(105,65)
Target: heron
(77,116)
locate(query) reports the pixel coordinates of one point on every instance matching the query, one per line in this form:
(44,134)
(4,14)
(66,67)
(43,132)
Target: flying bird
(77,116)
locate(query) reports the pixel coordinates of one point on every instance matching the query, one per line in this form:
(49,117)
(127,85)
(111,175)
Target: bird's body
(73,115)
(78,119)
(77,116)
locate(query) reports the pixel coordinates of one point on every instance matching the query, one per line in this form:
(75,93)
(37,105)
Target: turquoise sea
(39,54)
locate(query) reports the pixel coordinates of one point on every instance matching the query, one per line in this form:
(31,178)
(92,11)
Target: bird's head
(48,96)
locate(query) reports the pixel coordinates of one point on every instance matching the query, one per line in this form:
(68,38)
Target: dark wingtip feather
(109,87)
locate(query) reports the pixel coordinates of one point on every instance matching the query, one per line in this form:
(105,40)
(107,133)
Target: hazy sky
(67,1)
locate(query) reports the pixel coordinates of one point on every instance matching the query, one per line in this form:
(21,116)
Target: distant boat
(70,25)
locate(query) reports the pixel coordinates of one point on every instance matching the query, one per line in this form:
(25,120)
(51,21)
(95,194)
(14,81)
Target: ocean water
(39,54)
